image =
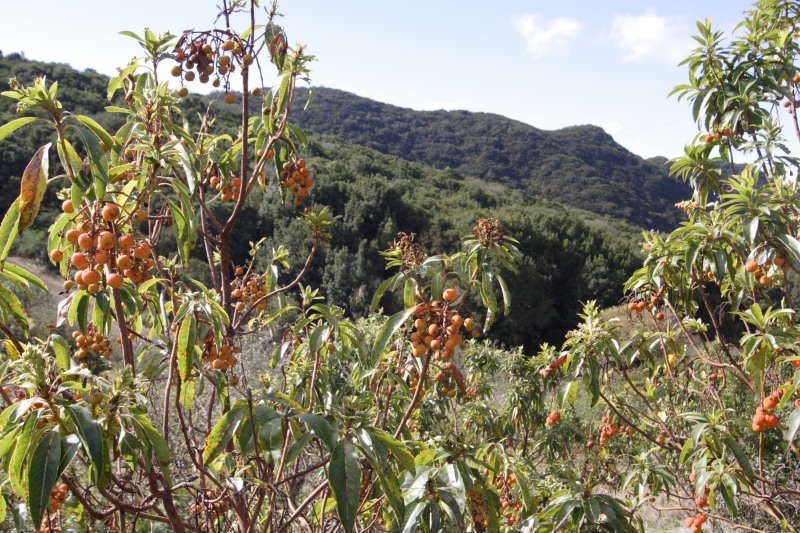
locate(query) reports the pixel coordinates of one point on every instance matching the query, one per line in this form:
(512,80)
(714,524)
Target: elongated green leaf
(223,432)
(69,449)
(91,435)
(11,304)
(20,276)
(396,447)
(62,350)
(43,474)
(270,438)
(344,473)
(321,429)
(17,470)
(389,328)
(187,337)
(98,163)
(741,457)
(413,516)
(14,125)
(792,425)
(97,129)
(9,229)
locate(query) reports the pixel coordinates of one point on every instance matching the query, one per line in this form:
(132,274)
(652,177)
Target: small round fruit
(142,251)
(126,242)
(765,280)
(230,98)
(124,262)
(751,266)
(247,59)
(72,235)
(176,70)
(90,277)
(107,240)
(111,212)
(183,92)
(85,241)
(189,76)
(79,260)
(114,280)
(140,215)
(56,255)
(67,206)
(450,294)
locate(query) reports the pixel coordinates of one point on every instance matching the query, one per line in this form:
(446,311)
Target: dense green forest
(389,184)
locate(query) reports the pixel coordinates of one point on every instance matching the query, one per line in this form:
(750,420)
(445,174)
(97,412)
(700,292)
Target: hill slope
(580,166)
(569,255)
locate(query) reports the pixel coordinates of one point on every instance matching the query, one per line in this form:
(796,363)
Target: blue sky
(549,64)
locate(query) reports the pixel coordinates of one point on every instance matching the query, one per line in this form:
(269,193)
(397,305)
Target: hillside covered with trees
(569,255)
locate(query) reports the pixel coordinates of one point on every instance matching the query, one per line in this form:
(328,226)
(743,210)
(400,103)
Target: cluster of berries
(103,253)
(92,341)
(296,176)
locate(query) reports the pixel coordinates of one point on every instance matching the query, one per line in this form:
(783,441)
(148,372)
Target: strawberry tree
(704,397)
(244,402)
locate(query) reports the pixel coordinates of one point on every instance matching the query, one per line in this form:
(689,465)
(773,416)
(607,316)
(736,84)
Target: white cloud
(652,37)
(612,128)
(541,37)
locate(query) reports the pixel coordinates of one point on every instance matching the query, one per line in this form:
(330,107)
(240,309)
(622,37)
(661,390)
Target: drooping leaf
(223,432)
(344,473)
(9,229)
(321,429)
(389,328)
(43,474)
(33,187)
(91,435)
(187,336)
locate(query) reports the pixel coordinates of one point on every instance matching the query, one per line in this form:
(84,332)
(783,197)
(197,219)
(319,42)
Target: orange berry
(85,241)
(67,206)
(56,255)
(111,212)
(450,294)
(126,242)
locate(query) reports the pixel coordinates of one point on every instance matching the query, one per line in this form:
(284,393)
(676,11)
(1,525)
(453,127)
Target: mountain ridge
(579,165)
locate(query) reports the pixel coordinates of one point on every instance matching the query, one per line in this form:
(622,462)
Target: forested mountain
(569,255)
(581,166)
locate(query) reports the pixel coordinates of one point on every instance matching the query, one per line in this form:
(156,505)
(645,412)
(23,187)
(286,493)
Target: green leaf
(43,474)
(792,244)
(389,328)
(187,337)
(223,431)
(792,425)
(414,516)
(14,125)
(344,473)
(321,429)
(9,229)
(270,437)
(11,304)
(97,129)
(91,435)
(69,449)
(741,457)
(62,350)
(17,471)
(98,162)
(396,447)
